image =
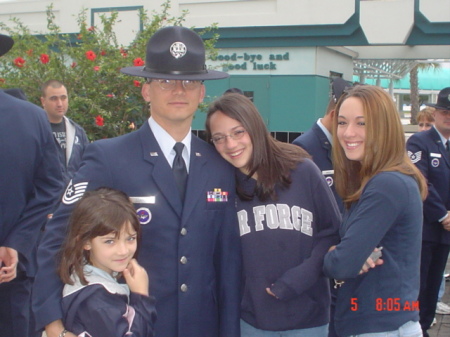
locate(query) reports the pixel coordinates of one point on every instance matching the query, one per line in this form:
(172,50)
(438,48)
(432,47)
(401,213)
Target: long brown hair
(271,160)
(384,145)
(97,213)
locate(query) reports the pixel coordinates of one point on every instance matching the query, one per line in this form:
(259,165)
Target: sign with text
(264,61)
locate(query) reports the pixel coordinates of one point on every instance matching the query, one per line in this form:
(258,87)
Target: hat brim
(440,107)
(209,75)
(6,44)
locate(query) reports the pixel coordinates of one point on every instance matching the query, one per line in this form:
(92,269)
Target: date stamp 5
(388,304)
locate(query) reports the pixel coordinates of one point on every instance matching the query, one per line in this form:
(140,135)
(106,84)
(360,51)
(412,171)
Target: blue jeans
(248,331)
(441,289)
(409,329)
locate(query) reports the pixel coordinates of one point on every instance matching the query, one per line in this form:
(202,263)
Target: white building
(282,52)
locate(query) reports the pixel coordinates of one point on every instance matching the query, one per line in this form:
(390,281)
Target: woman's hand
(271,293)
(371,263)
(136,277)
(9,259)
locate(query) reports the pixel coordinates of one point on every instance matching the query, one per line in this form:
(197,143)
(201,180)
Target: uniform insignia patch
(74,192)
(328,174)
(415,157)
(178,49)
(435,162)
(329,180)
(144,215)
(217,195)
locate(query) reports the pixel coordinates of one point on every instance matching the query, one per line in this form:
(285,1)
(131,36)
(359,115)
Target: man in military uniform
(429,151)
(190,243)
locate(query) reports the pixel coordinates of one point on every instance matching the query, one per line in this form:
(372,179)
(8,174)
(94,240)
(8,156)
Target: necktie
(447,147)
(179,169)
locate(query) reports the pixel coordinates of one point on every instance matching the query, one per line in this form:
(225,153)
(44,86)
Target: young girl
(100,247)
(288,218)
(382,191)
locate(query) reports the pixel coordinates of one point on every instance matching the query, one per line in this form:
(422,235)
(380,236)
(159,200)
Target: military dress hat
(175,53)
(6,44)
(443,101)
(338,87)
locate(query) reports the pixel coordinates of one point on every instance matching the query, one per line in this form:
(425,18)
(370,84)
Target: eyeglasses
(235,135)
(171,84)
(443,112)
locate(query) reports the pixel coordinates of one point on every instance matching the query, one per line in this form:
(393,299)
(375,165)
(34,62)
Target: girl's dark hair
(97,213)
(271,160)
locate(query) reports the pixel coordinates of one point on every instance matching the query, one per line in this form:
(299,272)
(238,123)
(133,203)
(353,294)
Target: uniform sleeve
(433,206)
(228,263)
(47,286)
(47,181)
(106,314)
(326,233)
(375,213)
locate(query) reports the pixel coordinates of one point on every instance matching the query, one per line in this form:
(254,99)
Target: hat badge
(178,49)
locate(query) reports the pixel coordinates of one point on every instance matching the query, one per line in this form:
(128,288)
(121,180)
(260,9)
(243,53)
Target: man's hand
(446,222)
(9,259)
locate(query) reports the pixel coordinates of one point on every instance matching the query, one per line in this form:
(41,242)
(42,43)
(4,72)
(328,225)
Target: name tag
(435,155)
(327,172)
(143,200)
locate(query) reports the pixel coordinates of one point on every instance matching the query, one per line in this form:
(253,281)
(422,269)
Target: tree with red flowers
(104,101)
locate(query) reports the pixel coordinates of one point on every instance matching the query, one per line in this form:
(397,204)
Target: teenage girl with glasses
(288,218)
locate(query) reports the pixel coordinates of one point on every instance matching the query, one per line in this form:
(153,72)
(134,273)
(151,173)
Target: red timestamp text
(388,304)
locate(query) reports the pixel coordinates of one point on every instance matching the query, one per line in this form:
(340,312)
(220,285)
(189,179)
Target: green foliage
(104,101)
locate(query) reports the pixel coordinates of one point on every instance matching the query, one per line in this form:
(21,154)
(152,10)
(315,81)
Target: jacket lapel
(161,173)
(440,146)
(197,179)
(324,141)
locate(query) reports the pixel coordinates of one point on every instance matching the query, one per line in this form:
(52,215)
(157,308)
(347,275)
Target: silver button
(183,260)
(184,288)
(183,231)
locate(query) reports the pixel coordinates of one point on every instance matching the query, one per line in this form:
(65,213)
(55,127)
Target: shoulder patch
(74,192)
(415,157)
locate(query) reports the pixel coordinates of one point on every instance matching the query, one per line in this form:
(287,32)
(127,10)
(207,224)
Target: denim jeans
(409,329)
(248,331)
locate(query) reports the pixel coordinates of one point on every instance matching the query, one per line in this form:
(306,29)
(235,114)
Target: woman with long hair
(288,218)
(382,191)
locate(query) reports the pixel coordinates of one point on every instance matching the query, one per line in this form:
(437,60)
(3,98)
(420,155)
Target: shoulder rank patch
(74,192)
(415,157)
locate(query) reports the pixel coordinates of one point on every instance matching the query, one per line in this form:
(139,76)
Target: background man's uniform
(427,151)
(30,184)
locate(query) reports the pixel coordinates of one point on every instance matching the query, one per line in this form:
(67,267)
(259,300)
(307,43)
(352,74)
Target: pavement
(442,327)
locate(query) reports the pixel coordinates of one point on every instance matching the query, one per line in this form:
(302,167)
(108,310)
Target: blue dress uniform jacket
(316,143)
(192,253)
(429,154)
(30,185)
(31,181)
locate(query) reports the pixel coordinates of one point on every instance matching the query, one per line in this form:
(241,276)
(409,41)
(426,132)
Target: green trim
(425,32)
(117,9)
(348,34)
